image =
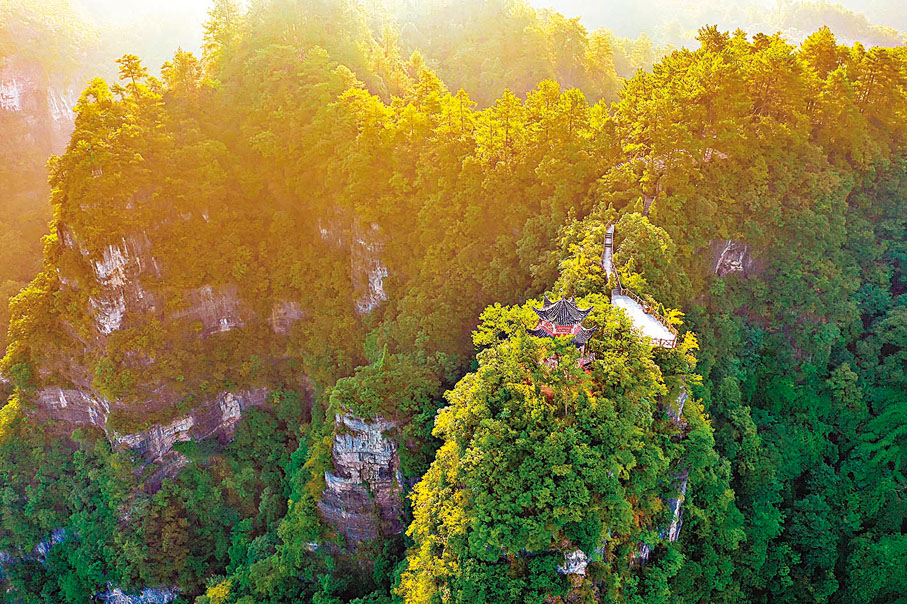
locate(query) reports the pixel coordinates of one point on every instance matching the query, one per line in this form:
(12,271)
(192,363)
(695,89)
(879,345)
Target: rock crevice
(730,256)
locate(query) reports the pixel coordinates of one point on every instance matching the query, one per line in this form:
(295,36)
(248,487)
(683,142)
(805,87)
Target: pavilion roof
(583,335)
(563,312)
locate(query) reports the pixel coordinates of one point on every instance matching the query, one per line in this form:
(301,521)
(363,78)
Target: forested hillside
(32,82)
(48,51)
(485,47)
(276,350)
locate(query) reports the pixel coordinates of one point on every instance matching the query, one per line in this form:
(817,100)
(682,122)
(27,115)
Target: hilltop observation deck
(645,319)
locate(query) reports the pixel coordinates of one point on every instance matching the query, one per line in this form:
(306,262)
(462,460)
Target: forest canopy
(372,210)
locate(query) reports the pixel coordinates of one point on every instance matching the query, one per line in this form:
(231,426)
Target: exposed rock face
(149,595)
(675,412)
(364,494)
(127,290)
(57,536)
(74,406)
(119,272)
(38,553)
(11,94)
(283,315)
(368,272)
(159,439)
(343,230)
(128,283)
(575,563)
(217,418)
(642,555)
(672,533)
(730,256)
(44,105)
(5,561)
(124,280)
(218,309)
(334,228)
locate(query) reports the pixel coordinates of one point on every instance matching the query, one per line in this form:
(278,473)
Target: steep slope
(562,469)
(36,119)
(270,221)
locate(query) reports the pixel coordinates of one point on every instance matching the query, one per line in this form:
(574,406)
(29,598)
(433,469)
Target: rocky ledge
(215,418)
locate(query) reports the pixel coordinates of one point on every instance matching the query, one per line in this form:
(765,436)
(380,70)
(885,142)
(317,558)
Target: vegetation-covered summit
(261,167)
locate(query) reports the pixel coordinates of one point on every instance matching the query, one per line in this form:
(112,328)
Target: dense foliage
(542,458)
(485,47)
(260,167)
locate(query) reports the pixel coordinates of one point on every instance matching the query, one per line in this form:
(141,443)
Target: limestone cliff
(41,101)
(125,288)
(124,291)
(147,312)
(365,242)
(118,272)
(149,595)
(363,497)
(731,256)
(217,417)
(368,272)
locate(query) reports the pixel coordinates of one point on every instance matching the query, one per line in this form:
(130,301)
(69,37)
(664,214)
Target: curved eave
(583,335)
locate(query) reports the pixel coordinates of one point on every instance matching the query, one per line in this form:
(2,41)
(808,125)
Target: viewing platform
(648,322)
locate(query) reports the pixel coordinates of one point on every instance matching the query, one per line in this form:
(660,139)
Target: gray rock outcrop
(367,270)
(216,417)
(363,497)
(119,272)
(730,256)
(575,563)
(43,103)
(217,309)
(149,595)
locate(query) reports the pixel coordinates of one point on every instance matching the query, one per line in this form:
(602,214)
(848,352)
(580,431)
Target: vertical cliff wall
(125,294)
(43,102)
(363,497)
(140,320)
(731,256)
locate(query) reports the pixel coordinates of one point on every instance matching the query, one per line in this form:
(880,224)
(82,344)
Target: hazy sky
(151,29)
(626,17)
(164,25)
(633,17)
(132,10)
